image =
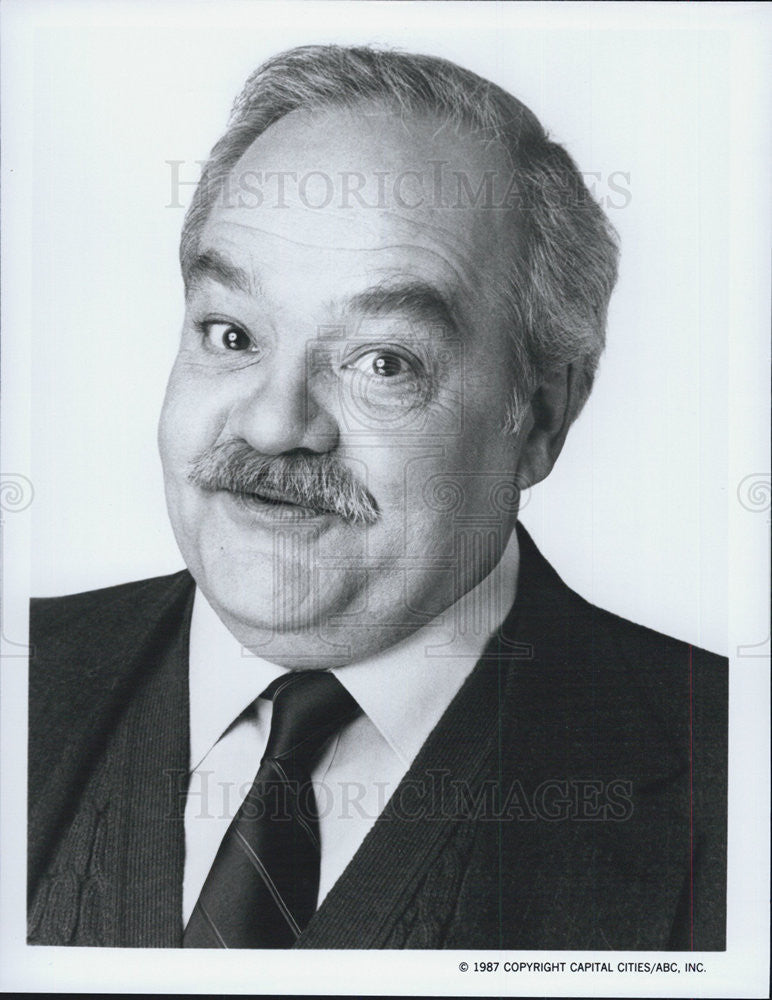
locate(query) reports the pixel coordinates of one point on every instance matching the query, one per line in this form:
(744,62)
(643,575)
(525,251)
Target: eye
(381,364)
(221,335)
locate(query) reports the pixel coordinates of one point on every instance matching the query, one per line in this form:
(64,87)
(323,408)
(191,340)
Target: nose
(281,413)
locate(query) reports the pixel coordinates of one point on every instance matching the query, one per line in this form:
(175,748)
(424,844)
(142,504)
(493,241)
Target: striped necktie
(262,888)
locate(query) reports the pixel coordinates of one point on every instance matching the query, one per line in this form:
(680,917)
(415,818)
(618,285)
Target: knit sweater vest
(125,835)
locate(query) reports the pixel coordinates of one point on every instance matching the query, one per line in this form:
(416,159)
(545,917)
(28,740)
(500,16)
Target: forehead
(357,193)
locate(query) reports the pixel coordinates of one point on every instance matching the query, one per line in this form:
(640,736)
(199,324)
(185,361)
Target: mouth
(270,505)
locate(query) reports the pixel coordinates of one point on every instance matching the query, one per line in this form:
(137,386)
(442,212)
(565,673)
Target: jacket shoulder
(88,643)
(87,618)
(661,671)
(563,619)
(86,651)
(632,686)
(48,614)
(640,641)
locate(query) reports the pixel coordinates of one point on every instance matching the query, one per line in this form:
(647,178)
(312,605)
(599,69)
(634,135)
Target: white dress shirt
(402,691)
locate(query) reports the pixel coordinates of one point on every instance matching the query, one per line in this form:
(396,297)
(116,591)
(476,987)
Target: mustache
(318,482)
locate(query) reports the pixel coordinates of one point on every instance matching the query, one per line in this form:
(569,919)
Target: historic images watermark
(440,186)
(434,797)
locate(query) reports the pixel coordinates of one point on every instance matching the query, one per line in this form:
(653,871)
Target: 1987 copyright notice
(650,968)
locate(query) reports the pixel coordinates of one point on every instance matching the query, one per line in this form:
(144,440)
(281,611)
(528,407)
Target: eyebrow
(213,266)
(417,299)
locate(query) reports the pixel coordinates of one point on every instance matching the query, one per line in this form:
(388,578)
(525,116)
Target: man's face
(335,465)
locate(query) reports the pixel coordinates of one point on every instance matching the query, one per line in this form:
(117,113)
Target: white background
(641,514)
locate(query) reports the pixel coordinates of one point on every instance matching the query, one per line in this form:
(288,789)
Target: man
(369,714)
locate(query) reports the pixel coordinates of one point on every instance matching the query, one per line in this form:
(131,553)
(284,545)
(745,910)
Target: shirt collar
(225,678)
(403,690)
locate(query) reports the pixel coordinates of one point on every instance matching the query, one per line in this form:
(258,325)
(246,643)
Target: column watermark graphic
(16,495)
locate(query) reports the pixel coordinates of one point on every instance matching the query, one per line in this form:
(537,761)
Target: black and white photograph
(384,498)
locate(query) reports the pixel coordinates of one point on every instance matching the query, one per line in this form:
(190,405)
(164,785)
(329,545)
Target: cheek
(189,422)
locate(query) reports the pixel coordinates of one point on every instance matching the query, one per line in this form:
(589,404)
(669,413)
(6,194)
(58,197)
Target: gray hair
(563,274)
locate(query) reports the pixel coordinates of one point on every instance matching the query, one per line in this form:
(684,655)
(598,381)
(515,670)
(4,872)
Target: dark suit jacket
(573,796)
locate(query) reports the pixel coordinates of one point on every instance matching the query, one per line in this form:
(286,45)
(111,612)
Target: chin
(258,606)
(292,638)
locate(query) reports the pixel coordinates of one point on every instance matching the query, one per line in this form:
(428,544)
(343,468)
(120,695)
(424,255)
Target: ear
(551,411)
